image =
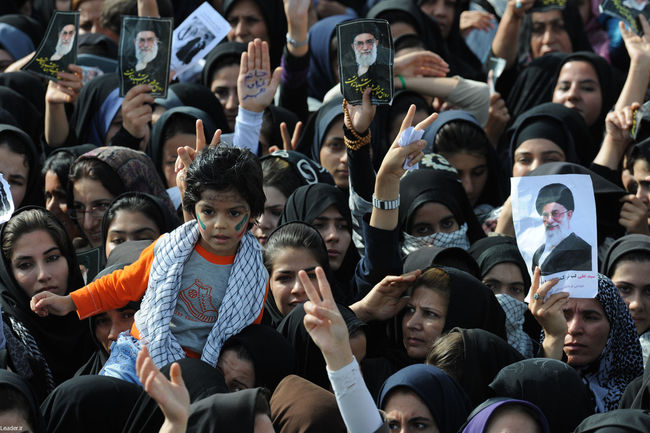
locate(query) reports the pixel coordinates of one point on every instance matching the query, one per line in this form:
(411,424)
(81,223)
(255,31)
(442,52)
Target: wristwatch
(385,204)
(297,44)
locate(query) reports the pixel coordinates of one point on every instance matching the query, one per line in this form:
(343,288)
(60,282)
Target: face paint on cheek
(201,223)
(241,224)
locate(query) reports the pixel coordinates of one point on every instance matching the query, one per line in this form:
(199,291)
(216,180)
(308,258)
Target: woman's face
(38,264)
(284,283)
(109,325)
(534,152)
(224,87)
(578,88)
(130,226)
(638,182)
(506,278)
(337,234)
(91,200)
(588,331)
(423,321)
(407,413)
(548,34)
(633,281)
(15,170)
(511,419)
(443,11)
(247,22)
(169,155)
(473,172)
(238,373)
(273,207)
(15,419)
(333,154)
(432,218)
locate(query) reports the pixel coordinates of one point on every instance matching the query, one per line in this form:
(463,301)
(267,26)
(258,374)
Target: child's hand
(172,396)
(186,155)
(324,322)
(255,85)
(45,303)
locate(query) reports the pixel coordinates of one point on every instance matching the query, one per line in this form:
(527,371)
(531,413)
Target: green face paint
(241,223)
(201,223)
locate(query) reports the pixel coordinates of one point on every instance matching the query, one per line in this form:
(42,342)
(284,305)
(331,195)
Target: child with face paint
(205,281)
(200,284)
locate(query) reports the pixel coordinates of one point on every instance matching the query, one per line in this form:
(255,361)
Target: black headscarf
(12,380)
(563,126)
(445,399)
(495,189)
(99,404)
(276,25)
(27,116)
(19,34)
(298,405)
(64,340)
(28,85)
(606,193)
(552,385)
(213,59)
(273,116)
(231,412)
(621,247)
(306,204)
(573,25)
(434,182)
(452,257)
(273,356)
(199,96)
(34,188)
(156,144)
(616,421)
(495,250)
(95,109)
(307,170)
(484,356)
(312,137)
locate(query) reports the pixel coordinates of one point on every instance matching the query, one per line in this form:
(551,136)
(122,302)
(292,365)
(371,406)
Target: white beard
(62,48)
(144,57)
(554,237)
(365,60)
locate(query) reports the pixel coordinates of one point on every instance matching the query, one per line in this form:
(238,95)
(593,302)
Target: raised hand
(420,63)
(475,20)
(548,311)
(171,395)
(324,322)
(289,142)
(45,303)
(186,155)
(638,47)
(361,115)
(634,214)
(386,299)
(497,119)
(255,84)
(136,110)
(67,88)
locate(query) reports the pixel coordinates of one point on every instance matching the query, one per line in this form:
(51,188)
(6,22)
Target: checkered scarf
(240,307)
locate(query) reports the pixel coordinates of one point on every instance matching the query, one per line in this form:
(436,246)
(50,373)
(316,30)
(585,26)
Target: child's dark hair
(225,168)
(295,235)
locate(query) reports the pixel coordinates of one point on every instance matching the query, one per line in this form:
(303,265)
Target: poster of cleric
(555,223)
(365,60)
(145,48)
(58,48)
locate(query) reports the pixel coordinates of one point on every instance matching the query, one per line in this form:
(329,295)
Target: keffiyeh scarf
(443,240)
(240,307)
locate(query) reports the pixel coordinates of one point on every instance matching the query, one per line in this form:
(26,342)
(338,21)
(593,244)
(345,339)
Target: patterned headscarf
(621,360)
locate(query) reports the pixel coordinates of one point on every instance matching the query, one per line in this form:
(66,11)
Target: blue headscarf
(446,400)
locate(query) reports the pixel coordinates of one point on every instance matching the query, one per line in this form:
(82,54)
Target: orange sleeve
(115,289)
(259,317)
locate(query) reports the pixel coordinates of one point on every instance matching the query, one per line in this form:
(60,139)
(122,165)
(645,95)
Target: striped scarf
(240,307)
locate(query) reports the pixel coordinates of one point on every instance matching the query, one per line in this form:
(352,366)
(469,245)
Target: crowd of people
(253,253)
